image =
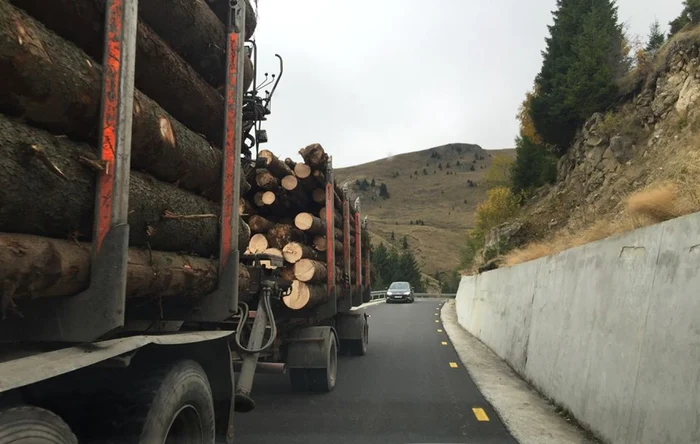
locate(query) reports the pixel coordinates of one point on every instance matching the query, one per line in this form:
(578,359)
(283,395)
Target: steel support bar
(346,239)
(244,403)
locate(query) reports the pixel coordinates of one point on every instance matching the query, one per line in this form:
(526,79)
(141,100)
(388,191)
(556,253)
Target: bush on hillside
(534,166)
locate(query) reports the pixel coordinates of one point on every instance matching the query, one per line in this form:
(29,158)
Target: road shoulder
(529,417)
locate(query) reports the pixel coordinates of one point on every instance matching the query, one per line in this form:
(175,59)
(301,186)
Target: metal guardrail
(382,294)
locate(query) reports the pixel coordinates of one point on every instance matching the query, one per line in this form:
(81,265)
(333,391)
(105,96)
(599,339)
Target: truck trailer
(152,257)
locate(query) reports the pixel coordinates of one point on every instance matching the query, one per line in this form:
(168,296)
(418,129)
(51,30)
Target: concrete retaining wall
(609,330)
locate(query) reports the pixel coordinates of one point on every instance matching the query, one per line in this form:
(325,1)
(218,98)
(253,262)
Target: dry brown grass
(650,206)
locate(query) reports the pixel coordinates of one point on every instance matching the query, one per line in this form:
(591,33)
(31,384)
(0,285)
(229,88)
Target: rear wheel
(33,425)
(318,379)
(170,405)
(358,347)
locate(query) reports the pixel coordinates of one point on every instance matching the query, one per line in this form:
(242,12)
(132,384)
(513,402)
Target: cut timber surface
(34,87)
(290,183)
(294,252)
(40,267)
(307,270)
(278,168)
(266,180)
(305,296)
(46,190)
(310,223)
(271,252)
(302,170)
(321,244)
(314,155)
(258,244)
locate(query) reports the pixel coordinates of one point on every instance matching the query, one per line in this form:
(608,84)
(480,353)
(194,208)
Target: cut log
(309,223)
(221,8)
(274,204)
(287,273)
(275,166)
(314,155)
(290,182)
(302,170)
(290,163)
(295,192)
(258,244)
(281,234)
(258,199)
(338,218)
(36,199)
(295,251)
(266,180)
(160,73)
(271,252)
(34,88)
(321,244)
(259,224)
(303,295)
(40,267)
(193,30)
(245,209)
(307,270)
(319,195)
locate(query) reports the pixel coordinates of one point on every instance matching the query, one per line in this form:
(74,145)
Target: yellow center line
(436,321)
(453,365)
(480,414)
(444,342)
(439,330)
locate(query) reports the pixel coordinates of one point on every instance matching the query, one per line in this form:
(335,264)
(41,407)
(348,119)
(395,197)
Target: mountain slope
(431,186)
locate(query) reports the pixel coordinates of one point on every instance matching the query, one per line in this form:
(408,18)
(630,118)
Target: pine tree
(374,183)
(404,243)
(384,191)
(581,62)
(690,14)
(656,37)
(533,167)
(393,236)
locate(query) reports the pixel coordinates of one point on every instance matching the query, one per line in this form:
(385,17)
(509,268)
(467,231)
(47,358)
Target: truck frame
(89,365)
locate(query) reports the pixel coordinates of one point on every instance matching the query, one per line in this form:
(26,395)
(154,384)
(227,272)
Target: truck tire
(33,425)
(358,347)
(173,404)
(320,380)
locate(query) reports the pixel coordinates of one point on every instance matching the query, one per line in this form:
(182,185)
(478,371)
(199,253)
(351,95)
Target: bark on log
(305,296)
(266,180)
(34,87)
(258,199)
(160,73)
(193,30)
(40,267)
(307,270)
(259,224)
(295,251)
(37,199)
(309,223)
(258,244)
(321,244)
(245,209)
(295,192)
(314,155)
(319,195)
(287,273)
(275,166)
(281,234)
(290,163)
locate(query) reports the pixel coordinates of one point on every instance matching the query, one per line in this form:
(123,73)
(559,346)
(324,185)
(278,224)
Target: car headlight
(388,293)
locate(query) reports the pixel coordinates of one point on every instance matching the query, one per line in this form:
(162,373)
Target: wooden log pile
(50,97)
(50,66)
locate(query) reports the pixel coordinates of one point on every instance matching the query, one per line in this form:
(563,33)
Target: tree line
(390,265)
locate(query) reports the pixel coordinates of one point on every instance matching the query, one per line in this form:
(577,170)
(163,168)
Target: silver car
(399,292)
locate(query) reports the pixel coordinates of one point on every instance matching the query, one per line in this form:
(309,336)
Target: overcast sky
(372,79)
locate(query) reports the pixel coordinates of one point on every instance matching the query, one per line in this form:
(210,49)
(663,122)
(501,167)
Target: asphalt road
(409,388)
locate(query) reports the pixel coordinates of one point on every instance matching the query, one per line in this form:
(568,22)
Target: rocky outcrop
(502,239)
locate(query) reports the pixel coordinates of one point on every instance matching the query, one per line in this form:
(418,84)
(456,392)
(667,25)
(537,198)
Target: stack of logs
(286,211)
(50,65)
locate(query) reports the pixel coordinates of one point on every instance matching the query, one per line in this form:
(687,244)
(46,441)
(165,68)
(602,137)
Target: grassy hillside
(431,186)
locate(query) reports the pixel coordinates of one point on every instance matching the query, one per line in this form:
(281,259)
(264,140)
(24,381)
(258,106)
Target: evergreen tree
(581,62)
(380,265)
(690,14)
(533,167)
(656,37)
(374,183)
(408,270)
(404,243)
(384,191)
(393,236)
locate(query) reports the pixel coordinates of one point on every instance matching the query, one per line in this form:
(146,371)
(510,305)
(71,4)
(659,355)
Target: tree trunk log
(302,171)
(315,156)
(275,166)
(266,180)
(338,218)
(307,270)
(295,251)
(258,244)
(45,190)
(193,30)
(309,223)
(259,224)
(287,273)
(161,73)
(245,209)
(281,234)
(319,195)
(305,296)
(321,244)
(290,182)
(271,252)
(34,87)
(40,267)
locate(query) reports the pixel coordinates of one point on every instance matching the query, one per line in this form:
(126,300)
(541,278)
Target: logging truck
(152,257)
